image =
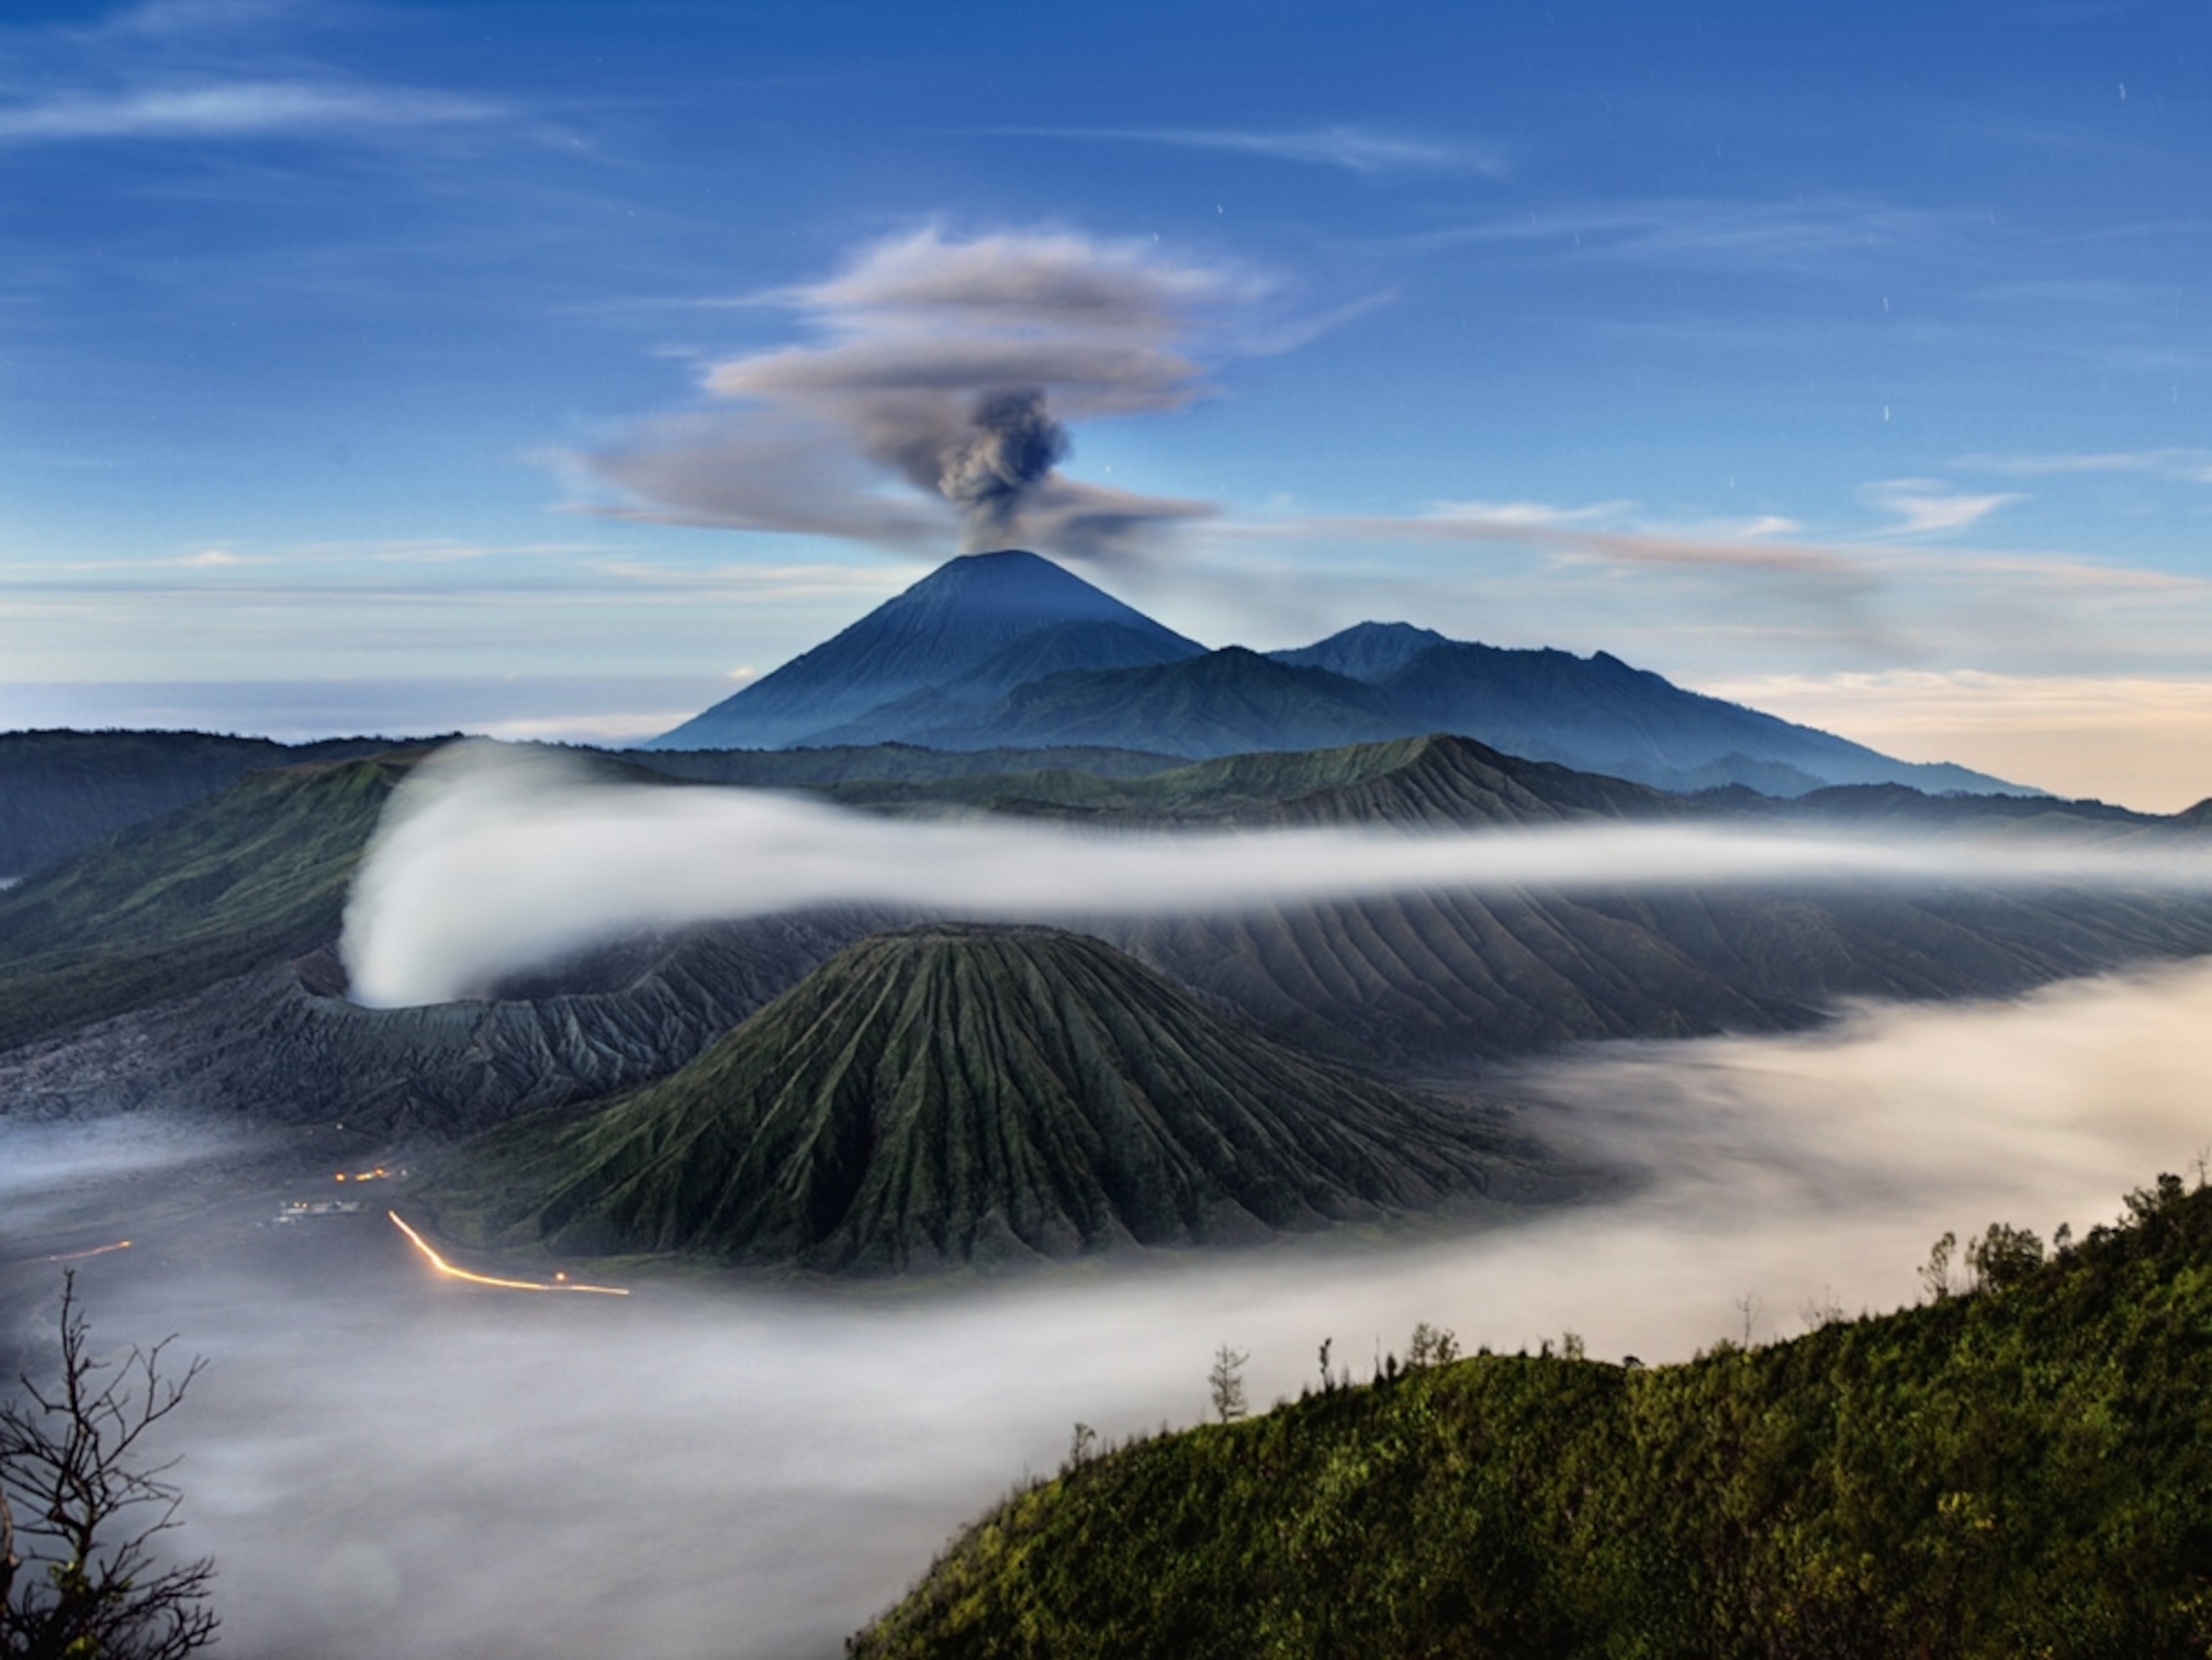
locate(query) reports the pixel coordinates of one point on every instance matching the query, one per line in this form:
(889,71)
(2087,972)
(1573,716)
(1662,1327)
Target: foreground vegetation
(83,1511)
(2021,1469)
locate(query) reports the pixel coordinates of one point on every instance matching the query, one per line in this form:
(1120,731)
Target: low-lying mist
(54,1171)
(385,1463)
(493,862)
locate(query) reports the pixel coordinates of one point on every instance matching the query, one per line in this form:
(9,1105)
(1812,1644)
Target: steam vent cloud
(494,862)
(950,368)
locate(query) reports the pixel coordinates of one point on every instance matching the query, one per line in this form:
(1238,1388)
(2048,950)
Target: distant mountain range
(1008,651)
(187,961)
(1002,663)
(941,1094)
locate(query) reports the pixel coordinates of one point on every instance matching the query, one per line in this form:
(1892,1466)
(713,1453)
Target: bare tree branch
(77,1504)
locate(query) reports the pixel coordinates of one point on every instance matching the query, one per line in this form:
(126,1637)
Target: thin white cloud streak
(2190,466)
(1569,533)
(203,71)
(601,710)
(1352,148)
(492,861)
(236,109)
(191,22)
(1818,235)
(552,574)
(383,1462)
(1846,580)
(1927,506)
(765,584)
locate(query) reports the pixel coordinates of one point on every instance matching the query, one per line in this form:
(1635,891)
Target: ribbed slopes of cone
(958,1094)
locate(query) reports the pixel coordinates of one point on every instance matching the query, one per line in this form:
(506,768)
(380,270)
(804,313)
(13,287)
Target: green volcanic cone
(955,1094)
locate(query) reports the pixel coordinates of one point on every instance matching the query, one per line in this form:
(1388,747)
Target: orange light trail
(452,1273)
(75,1255)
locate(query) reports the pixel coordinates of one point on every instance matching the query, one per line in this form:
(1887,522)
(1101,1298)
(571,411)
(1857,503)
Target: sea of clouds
(385,1463)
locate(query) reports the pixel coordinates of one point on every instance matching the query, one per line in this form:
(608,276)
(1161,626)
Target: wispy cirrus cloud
(1928,506)
(1529,572)
(1601,531)
(202,70)
(188,20)
(1618,533)
(2192,466)
(326,557)
(235,109)
(1707,232)
(19,573)
(1703,595)
(1347,147)
(760,583)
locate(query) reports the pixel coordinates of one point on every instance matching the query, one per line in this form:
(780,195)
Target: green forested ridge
(1421,980)
(63,790)
(254,874)
(1431,782)
(955,1094)
(834,764)
(2022,1470)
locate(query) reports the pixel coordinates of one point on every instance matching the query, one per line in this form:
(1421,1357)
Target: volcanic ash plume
(953,367)
(1011,445)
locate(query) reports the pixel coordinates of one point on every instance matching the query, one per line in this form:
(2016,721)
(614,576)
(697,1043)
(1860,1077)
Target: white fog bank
(387,1463)
(492,862)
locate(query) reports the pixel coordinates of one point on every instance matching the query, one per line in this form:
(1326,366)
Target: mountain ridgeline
(253,875)
(61,790)
(187,962)
(1007,649)
(962,1095)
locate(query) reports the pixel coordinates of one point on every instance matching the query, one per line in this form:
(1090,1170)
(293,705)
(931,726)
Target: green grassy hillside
(2019,1471)
(254,874)
(60,792)
(957,1094)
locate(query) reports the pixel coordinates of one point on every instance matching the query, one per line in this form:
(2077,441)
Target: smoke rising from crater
(491,862)
(951,368)
(1012,445)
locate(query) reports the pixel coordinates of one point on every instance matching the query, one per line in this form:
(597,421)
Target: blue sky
(546,368)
